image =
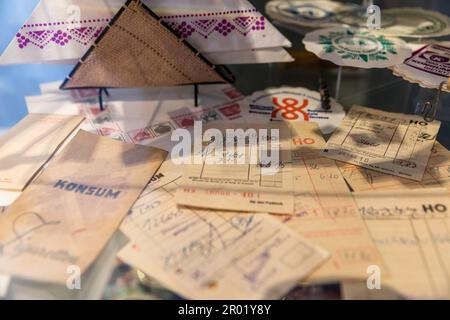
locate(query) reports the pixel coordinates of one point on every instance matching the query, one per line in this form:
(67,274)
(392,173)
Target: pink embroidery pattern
(62,33)
(208,23)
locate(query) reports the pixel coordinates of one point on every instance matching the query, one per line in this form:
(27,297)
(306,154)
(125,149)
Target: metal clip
(429,110)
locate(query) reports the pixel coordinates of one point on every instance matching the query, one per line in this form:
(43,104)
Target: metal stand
(325,99)
(100,97)
(338,84)
(196,94)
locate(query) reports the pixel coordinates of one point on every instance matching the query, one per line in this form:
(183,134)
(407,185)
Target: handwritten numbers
(74,279)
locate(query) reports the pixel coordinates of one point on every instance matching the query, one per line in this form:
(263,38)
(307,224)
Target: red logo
(187,122)
(107,131)
(232,93)
(290,109)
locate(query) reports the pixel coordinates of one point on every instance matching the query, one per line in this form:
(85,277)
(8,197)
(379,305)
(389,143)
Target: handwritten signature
(33,221)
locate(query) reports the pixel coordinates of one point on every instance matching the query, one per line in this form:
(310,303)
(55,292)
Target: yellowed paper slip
(437,174)
(411,228)
(67,215)
(325,212)
(29,145)
(392,143)
(8,197)
(4,285)
(251,186)
(205,254)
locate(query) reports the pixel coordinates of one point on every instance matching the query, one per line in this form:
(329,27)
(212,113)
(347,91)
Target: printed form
(242,187)
(325,211)
(411,228)
(393,143)
(437,174)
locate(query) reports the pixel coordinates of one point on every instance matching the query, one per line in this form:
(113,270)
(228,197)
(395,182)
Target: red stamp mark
(140,135)
(231,111)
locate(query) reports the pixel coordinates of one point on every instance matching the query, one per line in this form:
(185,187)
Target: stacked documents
(216,203)
(211,254)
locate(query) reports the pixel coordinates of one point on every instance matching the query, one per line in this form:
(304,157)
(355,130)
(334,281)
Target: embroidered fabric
(60,33)
(224,31)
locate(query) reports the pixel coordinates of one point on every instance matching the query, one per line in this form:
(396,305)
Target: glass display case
(377,88)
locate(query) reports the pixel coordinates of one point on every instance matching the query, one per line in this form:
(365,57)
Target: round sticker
(319,13)
(429,65)
(416,23)
(356,48)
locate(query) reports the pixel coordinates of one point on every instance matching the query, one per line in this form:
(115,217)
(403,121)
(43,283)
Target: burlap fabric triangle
(139,50)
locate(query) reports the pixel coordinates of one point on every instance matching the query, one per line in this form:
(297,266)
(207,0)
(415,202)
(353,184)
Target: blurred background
(22,80)
(373,88)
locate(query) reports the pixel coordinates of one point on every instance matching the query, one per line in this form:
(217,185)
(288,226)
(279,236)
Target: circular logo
(358,44)
(433,25)
(289,104)
(432,56)
(306,12)
(290,108)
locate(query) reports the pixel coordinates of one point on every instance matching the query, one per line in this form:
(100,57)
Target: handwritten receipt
(392,143)
(325,211)
(437,174)
(411,228)
(204,254)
